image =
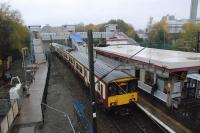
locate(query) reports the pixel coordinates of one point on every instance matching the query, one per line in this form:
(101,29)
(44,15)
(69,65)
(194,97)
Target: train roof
(168,59)
(100,67)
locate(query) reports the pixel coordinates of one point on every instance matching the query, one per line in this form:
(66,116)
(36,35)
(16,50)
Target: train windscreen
(122,87)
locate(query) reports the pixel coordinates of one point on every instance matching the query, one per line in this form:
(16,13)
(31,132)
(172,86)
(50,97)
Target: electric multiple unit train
(116,89)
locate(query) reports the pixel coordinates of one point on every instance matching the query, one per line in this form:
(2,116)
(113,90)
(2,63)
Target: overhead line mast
(92,84)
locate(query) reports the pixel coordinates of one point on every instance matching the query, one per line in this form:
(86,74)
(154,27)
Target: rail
(155,119)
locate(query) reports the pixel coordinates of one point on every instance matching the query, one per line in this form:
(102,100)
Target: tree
(188,37)
(159,32)
(122,26)
(13,34)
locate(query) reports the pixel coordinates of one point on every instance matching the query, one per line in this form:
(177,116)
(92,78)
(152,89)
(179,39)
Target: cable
(120,88)
(62,112)
(119,65)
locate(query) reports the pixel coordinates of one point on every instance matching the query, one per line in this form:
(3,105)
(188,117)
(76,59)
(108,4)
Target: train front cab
(122,92)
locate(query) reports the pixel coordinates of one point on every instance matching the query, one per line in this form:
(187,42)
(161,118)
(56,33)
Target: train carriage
(114,90)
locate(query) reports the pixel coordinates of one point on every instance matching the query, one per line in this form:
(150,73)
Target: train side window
(88,74)
(101,86)
(98,86)
(70,60)
(132,85)
(79,68)
(81,71)
(112,89)
(101,90)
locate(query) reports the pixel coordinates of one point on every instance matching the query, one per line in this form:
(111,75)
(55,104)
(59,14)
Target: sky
(135,12)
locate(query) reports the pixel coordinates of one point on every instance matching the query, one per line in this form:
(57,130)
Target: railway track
(134,122)
(137,122)
(125,125)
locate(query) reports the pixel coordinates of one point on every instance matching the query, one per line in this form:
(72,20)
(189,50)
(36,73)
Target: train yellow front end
(122,92)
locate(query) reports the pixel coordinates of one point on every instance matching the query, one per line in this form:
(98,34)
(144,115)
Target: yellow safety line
(123,79)
(168,117)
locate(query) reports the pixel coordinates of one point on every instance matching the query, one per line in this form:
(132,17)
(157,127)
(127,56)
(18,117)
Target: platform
(162,118)
(27,130)
(31,112)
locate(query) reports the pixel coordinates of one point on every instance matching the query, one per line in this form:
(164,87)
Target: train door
(137,73)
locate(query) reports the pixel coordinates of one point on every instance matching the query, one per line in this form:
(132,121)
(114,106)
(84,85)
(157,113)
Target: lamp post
(24,54)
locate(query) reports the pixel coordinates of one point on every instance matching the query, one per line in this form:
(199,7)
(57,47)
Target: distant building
(117,41)
(142,34)
(70,28)
(169,17)
(57,32)
(149,24)
(193,10)
(175,25)
(111,27)
(61,30)
(36,28)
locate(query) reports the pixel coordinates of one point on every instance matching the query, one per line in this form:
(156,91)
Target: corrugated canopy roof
(163,58)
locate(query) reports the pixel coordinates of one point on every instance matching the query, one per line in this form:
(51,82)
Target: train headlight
(132,99)
(113,104)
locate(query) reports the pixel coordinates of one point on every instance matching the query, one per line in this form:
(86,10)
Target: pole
(92,86)
(164,38)
(198,41)
(24,53)
(51,43)
(24,65)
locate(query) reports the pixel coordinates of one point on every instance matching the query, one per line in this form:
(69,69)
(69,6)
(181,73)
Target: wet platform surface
(27,130)
(31,112)
(162,115)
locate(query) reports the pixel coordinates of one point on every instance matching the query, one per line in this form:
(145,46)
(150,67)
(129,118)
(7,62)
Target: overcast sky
(135,12)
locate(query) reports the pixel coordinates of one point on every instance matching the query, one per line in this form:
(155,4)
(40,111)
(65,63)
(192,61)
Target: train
(116,89)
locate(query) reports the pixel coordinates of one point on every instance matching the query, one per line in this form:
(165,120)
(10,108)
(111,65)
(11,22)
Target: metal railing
(79,108)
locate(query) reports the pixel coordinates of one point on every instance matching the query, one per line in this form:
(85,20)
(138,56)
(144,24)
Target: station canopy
(168,59)
(195,76)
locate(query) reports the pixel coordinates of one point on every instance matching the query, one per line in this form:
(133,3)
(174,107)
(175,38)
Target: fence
(79,108)
(9,118)
(167,46)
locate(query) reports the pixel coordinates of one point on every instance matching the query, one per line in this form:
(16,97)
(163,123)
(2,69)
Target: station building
(161,73)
